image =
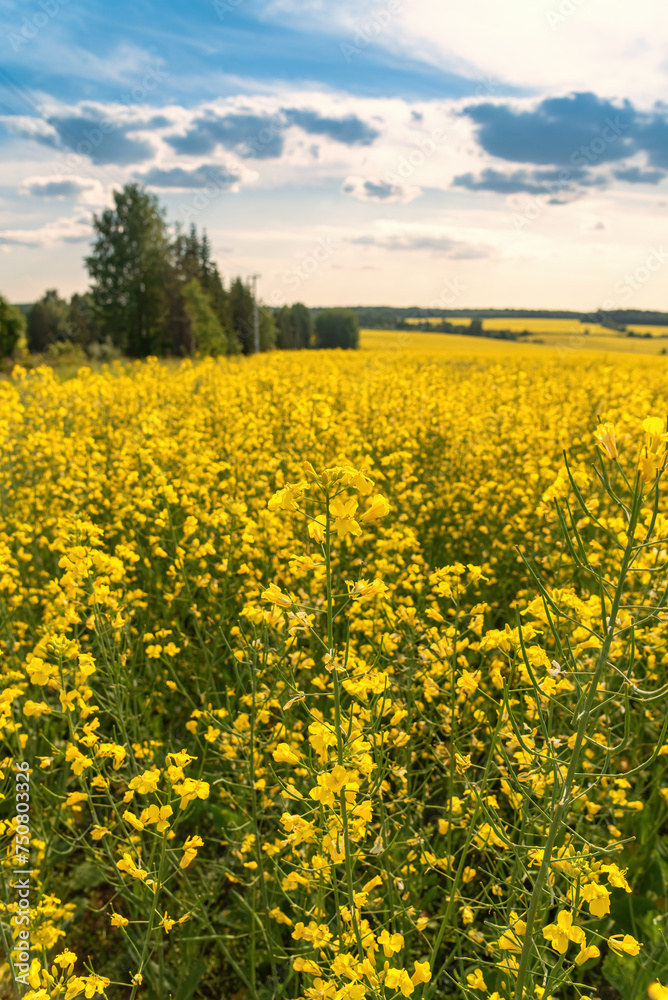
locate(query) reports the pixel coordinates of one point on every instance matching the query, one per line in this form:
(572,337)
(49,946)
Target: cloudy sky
(350,152)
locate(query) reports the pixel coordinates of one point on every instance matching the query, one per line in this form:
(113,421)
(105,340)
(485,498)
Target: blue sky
(390,152)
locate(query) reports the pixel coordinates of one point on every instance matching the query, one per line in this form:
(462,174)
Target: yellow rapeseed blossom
(335,613)
(562,932)
(624,944)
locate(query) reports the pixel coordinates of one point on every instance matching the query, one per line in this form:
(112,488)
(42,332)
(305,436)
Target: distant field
(561,334)
(655,331)
(541,326)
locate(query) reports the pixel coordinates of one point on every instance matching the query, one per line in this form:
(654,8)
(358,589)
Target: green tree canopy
(267,328)
(129,267)
(190,260)
(206,334)
(241,312)
(48,322)
(82,322)
(337,328)
(294,327)
(12,325)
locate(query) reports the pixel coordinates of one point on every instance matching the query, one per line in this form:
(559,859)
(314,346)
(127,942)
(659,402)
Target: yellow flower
(113,750)
(191,789)
(476,981)
(364,589)
(316,528)
(95,984)
(158,815)
(605,435)
(283,754)
(306,965)
(616,877)
(35,709)
(118,921)
(322,990)
(74,798)
(190,848)
(181,759)
(379,507)
(280,917)
(75,986)
(624,944)
(145,783)
(128,865)
(288,498)
(390,944)
(320,739)
(399,979)
(66,959)
(598,898)
(39,671)
(655,433)
(591,951)
(468,682)
(510,940)
(656,991)
(344,965)
(130,818)
(422,973)
(342,512)
(275,596)
(561,933)
(79,762)
(352,991)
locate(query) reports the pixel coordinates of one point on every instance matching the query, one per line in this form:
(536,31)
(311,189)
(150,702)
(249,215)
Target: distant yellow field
(598,340)
(520,324)
(655,331)
(543,327)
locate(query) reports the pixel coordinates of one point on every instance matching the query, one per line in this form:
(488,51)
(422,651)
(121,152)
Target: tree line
(155,291)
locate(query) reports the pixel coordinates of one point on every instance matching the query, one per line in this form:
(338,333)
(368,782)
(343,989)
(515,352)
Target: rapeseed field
(336,675)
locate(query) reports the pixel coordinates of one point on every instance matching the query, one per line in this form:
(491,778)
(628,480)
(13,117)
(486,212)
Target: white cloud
(411,246)
(52,234)
(443,240)
(536,45)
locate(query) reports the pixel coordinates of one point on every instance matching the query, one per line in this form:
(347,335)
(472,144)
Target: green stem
(339,736)
(573,767)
